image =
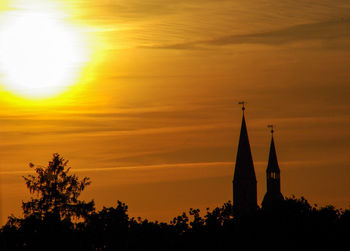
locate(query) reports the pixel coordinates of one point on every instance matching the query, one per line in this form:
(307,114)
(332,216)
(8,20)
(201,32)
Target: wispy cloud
(326,31)
(260,165)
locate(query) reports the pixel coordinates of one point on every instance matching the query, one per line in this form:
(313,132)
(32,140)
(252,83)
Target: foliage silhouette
(48,216)
(57,192)
(293,224)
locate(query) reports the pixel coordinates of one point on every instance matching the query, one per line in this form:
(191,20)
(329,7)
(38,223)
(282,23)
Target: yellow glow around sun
(40,54)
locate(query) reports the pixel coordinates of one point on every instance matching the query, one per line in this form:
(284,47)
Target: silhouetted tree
(108,228)
(56,191)
(219,216)
(47,222)
(180,223)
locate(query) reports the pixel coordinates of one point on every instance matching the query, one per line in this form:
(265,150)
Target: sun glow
(40,54)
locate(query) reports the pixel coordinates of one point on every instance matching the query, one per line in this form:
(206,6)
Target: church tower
(273,180)
(244,180)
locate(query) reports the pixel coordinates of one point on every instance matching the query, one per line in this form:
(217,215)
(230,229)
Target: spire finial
(243,103)
(272,127)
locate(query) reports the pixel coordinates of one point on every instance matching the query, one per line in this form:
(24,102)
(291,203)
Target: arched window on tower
(274,175)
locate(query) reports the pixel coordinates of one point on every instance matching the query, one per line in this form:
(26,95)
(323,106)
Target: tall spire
(272,165)
(244,167)
(273,179)
(244,181)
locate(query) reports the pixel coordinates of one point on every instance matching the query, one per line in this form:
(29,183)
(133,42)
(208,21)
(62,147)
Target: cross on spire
(272,127)
(243,103)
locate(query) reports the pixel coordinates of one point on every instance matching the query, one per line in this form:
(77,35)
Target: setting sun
(40,54)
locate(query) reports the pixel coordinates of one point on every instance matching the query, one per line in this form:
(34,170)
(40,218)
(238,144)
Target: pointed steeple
(244,168)
(244,181)
(273,180)
(272,165)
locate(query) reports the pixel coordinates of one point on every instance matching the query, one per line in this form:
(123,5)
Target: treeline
(56,220)
(295,226)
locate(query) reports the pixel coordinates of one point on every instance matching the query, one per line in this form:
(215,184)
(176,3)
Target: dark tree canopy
(291,225)
(57,192)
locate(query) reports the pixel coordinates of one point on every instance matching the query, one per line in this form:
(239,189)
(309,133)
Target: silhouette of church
(273,179)
(244,180)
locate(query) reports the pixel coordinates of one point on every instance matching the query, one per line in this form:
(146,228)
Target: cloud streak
(326,31)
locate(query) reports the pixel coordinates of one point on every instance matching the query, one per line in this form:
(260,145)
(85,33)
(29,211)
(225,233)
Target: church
(244,180)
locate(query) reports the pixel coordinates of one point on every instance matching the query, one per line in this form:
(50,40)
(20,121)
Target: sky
(153,117)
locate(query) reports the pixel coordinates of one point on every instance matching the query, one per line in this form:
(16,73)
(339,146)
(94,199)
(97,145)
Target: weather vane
(272,127)
(243,103)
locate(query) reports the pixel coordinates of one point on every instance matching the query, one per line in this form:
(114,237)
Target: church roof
(272,166)
(244,168)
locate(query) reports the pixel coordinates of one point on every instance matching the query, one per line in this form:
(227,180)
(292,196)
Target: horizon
(148,107)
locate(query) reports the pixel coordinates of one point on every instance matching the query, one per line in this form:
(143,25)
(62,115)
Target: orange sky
(154,119)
